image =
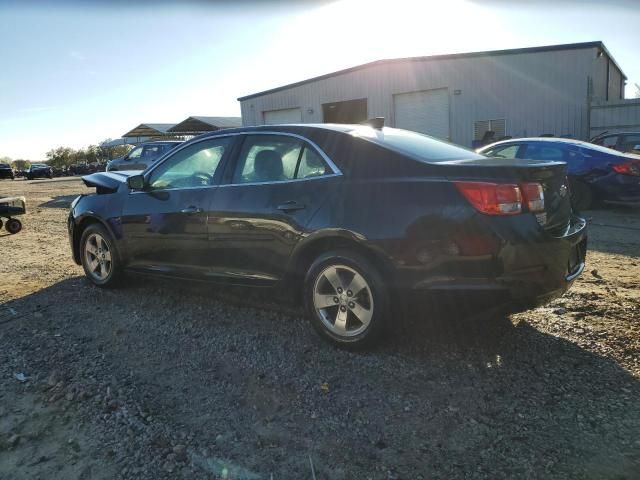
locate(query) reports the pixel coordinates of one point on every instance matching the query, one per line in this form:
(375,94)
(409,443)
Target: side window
(629,142)
(193,166)
(135,153)
(509,151)
(267,158)
(544,152)
(311,164)
(276,158)
(151,151)
(610,142)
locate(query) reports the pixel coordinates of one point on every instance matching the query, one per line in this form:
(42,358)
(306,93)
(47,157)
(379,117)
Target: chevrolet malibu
(346,217)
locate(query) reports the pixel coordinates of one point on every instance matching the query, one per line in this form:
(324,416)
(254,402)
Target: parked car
(6,171)
(596,174)
(39,170)
(623,142)
(344,217)
(142,156)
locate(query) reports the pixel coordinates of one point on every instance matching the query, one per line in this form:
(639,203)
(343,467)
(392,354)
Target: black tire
(376,288)
(113,267)
(581,196)
(13,226)
(1,224)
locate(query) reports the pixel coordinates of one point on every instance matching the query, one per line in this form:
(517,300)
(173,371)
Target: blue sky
(77,73)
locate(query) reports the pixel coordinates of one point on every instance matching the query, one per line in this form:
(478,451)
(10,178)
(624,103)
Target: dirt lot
(160,380)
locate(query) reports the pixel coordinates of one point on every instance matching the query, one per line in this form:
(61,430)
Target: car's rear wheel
(346,299)
(581,195)
(99,256)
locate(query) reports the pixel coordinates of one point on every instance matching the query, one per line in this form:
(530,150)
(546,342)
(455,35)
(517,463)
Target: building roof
(205,124)
(489,53)
(149,130)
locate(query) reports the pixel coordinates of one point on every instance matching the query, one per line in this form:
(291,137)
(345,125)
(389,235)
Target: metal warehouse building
(518,92)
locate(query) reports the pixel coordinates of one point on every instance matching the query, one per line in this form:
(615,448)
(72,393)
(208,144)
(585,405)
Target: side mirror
(136,182)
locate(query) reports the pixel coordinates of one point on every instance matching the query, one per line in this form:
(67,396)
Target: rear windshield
(416,145)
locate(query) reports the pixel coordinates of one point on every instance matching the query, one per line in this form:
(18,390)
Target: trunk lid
(551,175)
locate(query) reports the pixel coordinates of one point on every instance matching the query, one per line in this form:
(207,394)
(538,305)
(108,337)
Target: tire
(362,315)
(581,196)
(13,226)
(1,224)
(99,257)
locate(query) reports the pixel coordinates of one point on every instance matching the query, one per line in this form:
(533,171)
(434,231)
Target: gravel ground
(158,380)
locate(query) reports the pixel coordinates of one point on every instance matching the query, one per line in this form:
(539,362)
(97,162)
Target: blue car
(596,174)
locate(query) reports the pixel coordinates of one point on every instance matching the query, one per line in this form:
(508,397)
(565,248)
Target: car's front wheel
(99,256)
(346,299)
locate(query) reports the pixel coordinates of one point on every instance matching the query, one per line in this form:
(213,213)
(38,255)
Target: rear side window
(277,158)
(416,145)
(507,151)
(629,142)
(544,152)
(152,151)
(609,142)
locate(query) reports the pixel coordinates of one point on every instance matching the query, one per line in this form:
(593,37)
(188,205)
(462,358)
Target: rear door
(277,183)
(165,225)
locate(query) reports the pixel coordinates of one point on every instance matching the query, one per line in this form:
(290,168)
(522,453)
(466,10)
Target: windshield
(416,145)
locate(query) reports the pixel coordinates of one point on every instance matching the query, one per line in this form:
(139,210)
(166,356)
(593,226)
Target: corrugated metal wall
(540,92)
(615,116)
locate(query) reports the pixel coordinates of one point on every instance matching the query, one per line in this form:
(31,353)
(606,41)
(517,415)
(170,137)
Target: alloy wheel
(343,300)
(98,257)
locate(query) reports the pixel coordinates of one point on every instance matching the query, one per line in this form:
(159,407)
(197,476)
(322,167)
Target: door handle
(190,210)
(291,206)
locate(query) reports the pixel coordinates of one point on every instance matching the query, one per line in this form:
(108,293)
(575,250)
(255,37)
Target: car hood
(108,182)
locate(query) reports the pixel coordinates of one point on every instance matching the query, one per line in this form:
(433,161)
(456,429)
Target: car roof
(160,142)
(289,127)
(567,141)
(615,134)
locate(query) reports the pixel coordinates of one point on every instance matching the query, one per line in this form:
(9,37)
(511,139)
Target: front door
(256,219)
(165,226)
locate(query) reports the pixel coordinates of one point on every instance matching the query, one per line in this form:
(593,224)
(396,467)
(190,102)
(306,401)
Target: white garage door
(288,115)
(424,112)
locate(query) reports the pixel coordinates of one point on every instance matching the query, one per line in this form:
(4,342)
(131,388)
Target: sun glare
(364,30)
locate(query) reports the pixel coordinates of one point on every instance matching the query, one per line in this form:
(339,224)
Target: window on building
(482,129)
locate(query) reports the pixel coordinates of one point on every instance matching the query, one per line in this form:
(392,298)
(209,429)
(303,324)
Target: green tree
(21,164)
(61,157)
(6,160)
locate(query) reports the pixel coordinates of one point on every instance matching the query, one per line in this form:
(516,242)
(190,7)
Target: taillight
(533,196)
(628,168)
(492,198)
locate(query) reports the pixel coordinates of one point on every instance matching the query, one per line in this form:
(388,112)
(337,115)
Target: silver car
(142,156)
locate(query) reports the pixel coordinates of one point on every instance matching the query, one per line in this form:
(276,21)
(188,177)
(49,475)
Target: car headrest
(267,166)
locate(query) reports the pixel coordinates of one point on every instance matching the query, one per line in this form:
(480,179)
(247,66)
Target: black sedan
(39,170)
(6,171)
(345,217)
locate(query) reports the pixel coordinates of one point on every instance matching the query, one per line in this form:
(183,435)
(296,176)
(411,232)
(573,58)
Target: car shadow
(446,398)
(61,201)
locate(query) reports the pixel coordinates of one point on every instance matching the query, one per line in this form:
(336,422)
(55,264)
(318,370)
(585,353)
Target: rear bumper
(530,268)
